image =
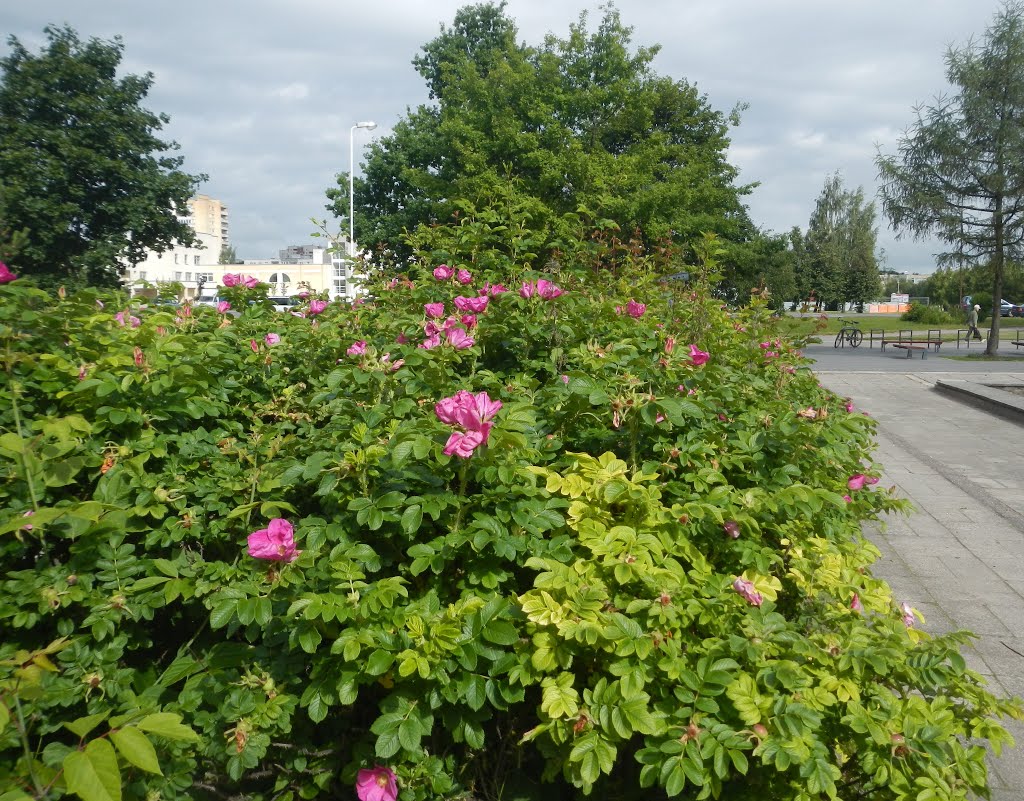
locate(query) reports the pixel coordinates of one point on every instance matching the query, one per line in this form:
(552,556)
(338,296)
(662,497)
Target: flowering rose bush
(566,557)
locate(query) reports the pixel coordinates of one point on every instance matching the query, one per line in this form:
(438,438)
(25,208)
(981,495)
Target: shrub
(644,569)
(928,315)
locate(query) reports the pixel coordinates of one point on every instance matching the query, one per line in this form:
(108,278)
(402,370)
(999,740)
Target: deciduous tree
(580,122)
(84,176)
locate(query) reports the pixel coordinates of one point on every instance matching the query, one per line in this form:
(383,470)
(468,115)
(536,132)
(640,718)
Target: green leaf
(93,774)
(409,734)
(379,662)
(412,517)
(83,726)
(169,725)
(136,748)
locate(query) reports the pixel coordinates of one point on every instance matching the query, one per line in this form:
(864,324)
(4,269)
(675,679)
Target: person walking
(972,323)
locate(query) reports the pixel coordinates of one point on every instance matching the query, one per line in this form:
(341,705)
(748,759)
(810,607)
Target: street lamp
(351,183)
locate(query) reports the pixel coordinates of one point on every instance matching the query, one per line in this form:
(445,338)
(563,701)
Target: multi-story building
(210,216)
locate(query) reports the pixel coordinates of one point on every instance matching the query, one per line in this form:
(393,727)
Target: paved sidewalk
(960,558)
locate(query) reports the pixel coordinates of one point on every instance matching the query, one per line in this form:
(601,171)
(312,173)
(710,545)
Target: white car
(284,303)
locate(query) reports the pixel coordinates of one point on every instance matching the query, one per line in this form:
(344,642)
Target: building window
(196,260)
(339,270)
(188,276)
(177,275)
(207,277)
(340,288)
(175,258)
(142,275)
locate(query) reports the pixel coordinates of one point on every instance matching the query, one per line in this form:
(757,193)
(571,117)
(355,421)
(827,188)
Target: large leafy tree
(580,123)
(840,244)
(84,178)
(959,169)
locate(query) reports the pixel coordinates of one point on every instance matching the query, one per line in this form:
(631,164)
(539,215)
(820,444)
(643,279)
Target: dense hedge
(239,563)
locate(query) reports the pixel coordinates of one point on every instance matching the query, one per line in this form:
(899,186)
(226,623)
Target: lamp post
(351,183)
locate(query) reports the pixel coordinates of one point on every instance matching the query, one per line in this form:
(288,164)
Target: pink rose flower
(565,379)
(527,289)
(254,345)
(469,320)
(272,339)
(435,310)
(856,605)
(475,305)
(317,306)
(378,784)
(670,344)
(698,356)
(431,342)
(250,282)
(634,309)
(6,276)
(856,482)
(223,306)
(401,339)
(459,339)
(274,543)
(908,615)
(848,499)
(464,277)
(547,290)
(357,348)
(849,406)
(443,272)
(463,443)
(732,529)
(139,358)
(492,290)
(231,279)
(746,589)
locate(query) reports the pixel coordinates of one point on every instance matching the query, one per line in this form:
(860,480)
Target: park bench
(905,340)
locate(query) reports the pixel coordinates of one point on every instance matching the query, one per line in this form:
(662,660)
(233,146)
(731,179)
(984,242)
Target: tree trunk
(992,346)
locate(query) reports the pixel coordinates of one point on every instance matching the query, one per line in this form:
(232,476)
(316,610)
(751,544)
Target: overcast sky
(262,93)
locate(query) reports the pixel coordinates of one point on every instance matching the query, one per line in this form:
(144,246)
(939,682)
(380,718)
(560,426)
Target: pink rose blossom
(475,305)
(396,364)
(908,615)
(231,279)
(634,309)
(618,310)
(469,320)
(120,318)
(463,443)
(459,339)
(492,290)
(303,294)
(223,306)
(250,282)
(732,529)
(670,344)
(856,605)
(565,379)
(431,342)
(430,328)
(275,543)
(378,784)
(357,348)
(139,358)
(443,272)
(254,345)
(547,290)
(6,276)
(464,277)
(856,482)
(698,356)
(848,499)
(435,310)
(401,339)
(317,306)
(849,406)
(746,589)
(272,339)
(527,290)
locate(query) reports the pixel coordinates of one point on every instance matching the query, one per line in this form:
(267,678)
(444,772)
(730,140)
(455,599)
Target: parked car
(1017,310)
(208,300)
(1004,307)
(284,303)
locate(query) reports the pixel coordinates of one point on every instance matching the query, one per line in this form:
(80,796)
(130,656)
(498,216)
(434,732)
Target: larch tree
(958,172)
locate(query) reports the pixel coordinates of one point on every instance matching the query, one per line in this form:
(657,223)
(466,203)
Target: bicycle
(849,333)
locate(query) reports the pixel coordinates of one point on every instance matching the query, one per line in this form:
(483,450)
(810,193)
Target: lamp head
(367,125)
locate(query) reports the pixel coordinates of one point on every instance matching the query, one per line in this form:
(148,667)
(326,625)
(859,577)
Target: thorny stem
(463,478)
(23,734)
(24,460)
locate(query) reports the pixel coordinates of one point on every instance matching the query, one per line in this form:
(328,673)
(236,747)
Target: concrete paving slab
(960,557)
